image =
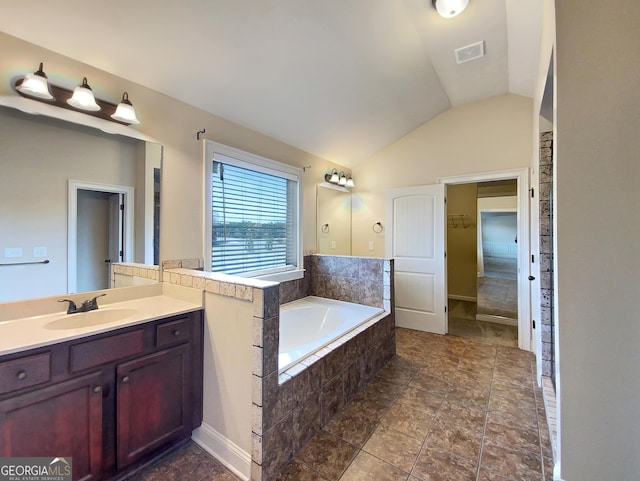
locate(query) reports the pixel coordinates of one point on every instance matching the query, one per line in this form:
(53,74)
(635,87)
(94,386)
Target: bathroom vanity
(111,400)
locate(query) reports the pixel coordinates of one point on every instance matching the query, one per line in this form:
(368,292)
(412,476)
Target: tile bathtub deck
(446,408)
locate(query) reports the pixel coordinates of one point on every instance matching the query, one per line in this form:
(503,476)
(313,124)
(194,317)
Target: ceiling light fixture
(125,112)
(35,85)
(83,98)
(450,8)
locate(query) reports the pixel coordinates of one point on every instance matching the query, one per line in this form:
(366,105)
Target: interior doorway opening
(488,266)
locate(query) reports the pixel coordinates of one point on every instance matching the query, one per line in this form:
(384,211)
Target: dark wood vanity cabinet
(111,401)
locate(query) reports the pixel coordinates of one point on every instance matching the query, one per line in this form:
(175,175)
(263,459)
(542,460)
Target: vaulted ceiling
(338,78)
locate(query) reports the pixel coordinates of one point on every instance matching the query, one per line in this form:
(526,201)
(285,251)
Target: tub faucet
(88,305)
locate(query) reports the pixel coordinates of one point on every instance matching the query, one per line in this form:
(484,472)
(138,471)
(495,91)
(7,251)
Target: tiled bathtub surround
(352,279)
(289,408)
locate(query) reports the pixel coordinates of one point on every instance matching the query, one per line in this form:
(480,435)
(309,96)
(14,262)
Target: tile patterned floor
(444,409)
(190,463)
(463,323)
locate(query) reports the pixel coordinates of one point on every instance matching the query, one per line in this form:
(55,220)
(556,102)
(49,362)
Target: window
(253,226)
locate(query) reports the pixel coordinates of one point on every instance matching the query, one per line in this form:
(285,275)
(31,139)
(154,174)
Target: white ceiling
(338,78)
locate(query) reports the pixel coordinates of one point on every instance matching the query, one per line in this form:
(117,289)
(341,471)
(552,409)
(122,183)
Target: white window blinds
(254,219)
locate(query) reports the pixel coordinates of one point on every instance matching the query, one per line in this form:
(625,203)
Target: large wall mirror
(333,217)
(73,200)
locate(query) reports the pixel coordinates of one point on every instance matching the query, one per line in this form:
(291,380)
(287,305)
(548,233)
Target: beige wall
(489,135)
(598,233)
(174,125)
(461,241)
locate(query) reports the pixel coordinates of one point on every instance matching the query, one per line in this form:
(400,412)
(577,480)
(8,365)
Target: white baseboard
(230,455)
(497,319)
(462,298)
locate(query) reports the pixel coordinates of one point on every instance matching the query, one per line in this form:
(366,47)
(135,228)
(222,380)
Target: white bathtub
(309,324)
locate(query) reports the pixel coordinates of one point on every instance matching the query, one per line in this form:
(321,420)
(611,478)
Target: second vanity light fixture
(339,179)
(35,86)
(450,8)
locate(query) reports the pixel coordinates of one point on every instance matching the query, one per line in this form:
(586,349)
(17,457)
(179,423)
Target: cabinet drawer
(25,372)
(101,351)
(173,332)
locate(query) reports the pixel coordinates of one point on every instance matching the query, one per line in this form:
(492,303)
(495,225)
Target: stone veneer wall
(289,408)
(546,253)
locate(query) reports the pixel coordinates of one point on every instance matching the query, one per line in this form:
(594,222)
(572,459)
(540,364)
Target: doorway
(100,231)
(495,285)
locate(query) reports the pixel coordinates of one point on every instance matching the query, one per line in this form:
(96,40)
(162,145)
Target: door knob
(531,278)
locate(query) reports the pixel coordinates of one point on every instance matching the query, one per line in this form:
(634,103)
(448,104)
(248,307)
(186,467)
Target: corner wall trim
(230,455)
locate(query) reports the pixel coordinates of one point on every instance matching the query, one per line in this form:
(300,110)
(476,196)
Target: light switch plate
(12,252)
(39,252)
(372,246)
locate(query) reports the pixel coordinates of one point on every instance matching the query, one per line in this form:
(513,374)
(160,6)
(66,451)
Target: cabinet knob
(22,375)
(125,379)
(176,332)
(97,389)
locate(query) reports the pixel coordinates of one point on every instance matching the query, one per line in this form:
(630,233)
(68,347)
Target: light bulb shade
(334,177)
(35,85)
(343,180)
(350,182)
(125,111)
(450,8)
(83,98)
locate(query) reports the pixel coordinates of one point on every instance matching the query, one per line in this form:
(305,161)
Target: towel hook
(200,132)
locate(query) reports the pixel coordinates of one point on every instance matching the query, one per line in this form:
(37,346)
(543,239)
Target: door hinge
(532,192)
(121,206)
(445,200)
(534,323)
(121,254)
(445,309)
(533,259)
(445,254)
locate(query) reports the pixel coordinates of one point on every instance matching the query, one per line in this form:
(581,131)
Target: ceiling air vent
(470,52)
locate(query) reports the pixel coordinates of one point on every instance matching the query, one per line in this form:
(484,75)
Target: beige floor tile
(408,420)
(438,465)
(368,468)
(328,455)
(394,447)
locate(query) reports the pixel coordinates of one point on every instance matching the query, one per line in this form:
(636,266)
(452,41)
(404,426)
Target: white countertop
(30,332)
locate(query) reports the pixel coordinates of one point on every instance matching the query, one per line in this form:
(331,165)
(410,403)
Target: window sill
(283,276)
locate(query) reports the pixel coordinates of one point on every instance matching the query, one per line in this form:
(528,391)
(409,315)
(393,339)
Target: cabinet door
(153,402)
(63,420)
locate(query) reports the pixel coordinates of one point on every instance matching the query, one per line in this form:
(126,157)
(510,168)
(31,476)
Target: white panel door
(416,242)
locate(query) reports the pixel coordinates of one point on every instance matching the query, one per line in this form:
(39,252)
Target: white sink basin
(88,319)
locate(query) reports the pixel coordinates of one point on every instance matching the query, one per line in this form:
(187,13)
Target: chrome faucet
(88,305)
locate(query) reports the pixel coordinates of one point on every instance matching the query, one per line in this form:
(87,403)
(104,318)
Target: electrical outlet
(372,246)
(39,252)
(333,244)
(13,252)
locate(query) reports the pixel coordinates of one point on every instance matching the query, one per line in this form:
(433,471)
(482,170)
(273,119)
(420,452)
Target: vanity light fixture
(35,85)
(125,112)
(340,179)
(450,8)
(350,182)
(83,98)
